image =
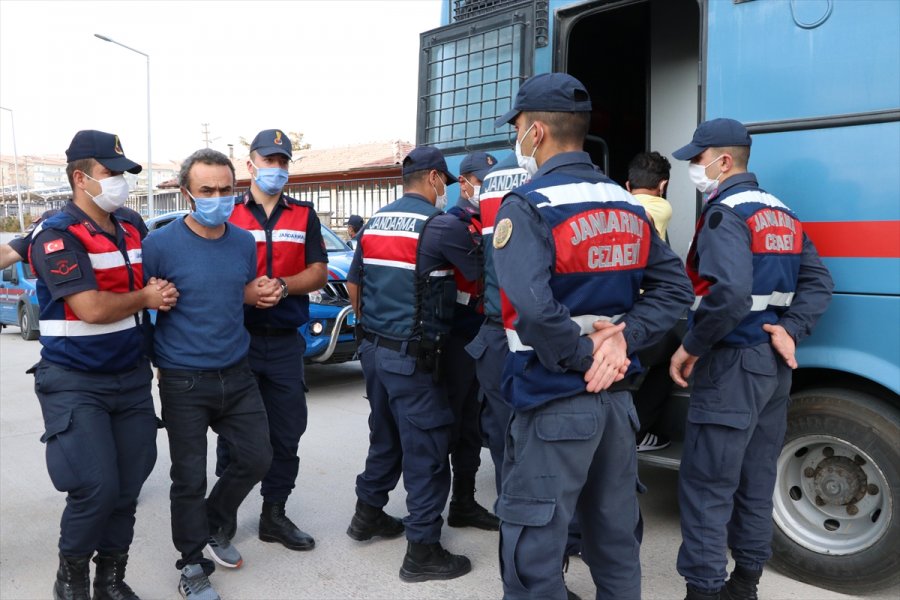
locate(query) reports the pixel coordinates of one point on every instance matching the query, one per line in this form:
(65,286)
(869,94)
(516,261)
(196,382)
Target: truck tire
(837,495)
(28,323)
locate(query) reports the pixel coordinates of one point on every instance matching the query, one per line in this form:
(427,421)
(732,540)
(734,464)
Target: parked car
(18,300)
(329,332)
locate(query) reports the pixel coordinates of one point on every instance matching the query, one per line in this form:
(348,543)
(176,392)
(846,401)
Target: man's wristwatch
(284,288)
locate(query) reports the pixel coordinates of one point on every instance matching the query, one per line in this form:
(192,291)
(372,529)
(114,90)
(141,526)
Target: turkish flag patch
(53,246)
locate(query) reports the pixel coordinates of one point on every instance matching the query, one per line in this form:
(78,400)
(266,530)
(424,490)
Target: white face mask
(526,162)
(113,192)
(704,184)
(474,199)
(440,200)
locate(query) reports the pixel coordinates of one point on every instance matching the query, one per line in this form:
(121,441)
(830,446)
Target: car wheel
(27,329)
(837,495)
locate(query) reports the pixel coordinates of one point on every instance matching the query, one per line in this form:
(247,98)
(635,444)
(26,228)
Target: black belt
(412,348)
(215,373)
(266,331)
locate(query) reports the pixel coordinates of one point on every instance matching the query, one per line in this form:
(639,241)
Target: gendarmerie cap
(425,158)
(105,148)
(271,141)
(548,92)
(716,133)
(478,164)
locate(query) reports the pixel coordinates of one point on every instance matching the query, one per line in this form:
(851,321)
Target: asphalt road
(332,453)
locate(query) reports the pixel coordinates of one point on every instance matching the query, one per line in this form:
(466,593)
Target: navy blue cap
(103,147)
(271,141)
(425,158)
(478,164)
(716,133)
(355,221)
(548,92)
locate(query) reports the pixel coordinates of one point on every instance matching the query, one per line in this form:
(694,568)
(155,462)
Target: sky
(339,71)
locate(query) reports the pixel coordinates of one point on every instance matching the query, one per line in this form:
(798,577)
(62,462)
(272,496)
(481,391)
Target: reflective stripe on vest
(760,302)
(63,328)
(585,324)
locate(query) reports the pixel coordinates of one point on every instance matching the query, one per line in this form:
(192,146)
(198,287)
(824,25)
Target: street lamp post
(150,208)
(16,159)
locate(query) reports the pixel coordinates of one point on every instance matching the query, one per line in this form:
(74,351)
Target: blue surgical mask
(270,180)
(212,212)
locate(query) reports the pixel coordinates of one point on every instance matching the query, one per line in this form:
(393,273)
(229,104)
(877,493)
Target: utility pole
(206,139)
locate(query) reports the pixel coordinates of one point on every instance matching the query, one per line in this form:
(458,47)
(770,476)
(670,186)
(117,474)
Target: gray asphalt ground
(332,453)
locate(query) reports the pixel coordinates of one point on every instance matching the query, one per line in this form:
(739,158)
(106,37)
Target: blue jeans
(227,401)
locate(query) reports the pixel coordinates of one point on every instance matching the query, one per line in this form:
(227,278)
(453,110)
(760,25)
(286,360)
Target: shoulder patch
(53,246)
(502,233)
(63,267)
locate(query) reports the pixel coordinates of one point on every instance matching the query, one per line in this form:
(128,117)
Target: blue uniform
(462,384)
(572,247)
(751,264)
(489,348)
(287,241)
(404,268)
(93,382)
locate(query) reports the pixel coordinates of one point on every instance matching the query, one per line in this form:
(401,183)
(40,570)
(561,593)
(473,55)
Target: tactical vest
(776,241)
(397,302)
(495,185)
(602,239)
(280,252)
(109,347)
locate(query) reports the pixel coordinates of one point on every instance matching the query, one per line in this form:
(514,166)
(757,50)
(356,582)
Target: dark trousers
(734,433)
(277,363)
(409,433)
(227,401)
(652,397)
(100,431)
(571,456)
(489,349)
(462,394)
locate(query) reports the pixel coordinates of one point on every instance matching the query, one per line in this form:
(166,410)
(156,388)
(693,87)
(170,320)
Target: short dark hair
(647,169)
(739,154)
(206,156)
(85,165)
(415,177)
(568,128)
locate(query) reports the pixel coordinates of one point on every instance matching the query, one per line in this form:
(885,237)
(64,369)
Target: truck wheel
(27,324)
(837,495)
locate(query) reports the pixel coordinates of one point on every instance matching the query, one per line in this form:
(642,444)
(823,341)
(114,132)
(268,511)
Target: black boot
(109,578)
(369,521)
(465,512)
(274,526)
(696,594)
(742,584)
(424,562)
(73,579)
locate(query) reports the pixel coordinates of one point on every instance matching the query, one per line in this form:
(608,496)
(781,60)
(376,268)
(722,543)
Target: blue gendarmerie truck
(18,300)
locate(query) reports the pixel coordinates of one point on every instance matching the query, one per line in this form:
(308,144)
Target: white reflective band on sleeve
(111,260)
(487,230)
(463,297)
(389,263)
(292,236)
(62,328)
(584,322)
(773,299)
(441,273)
(761,302)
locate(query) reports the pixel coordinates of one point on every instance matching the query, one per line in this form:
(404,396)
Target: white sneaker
(652,442)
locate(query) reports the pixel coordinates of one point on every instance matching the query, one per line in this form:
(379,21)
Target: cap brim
(270,150)
(507,119)
(451,178)
(120,164)
(688,152)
